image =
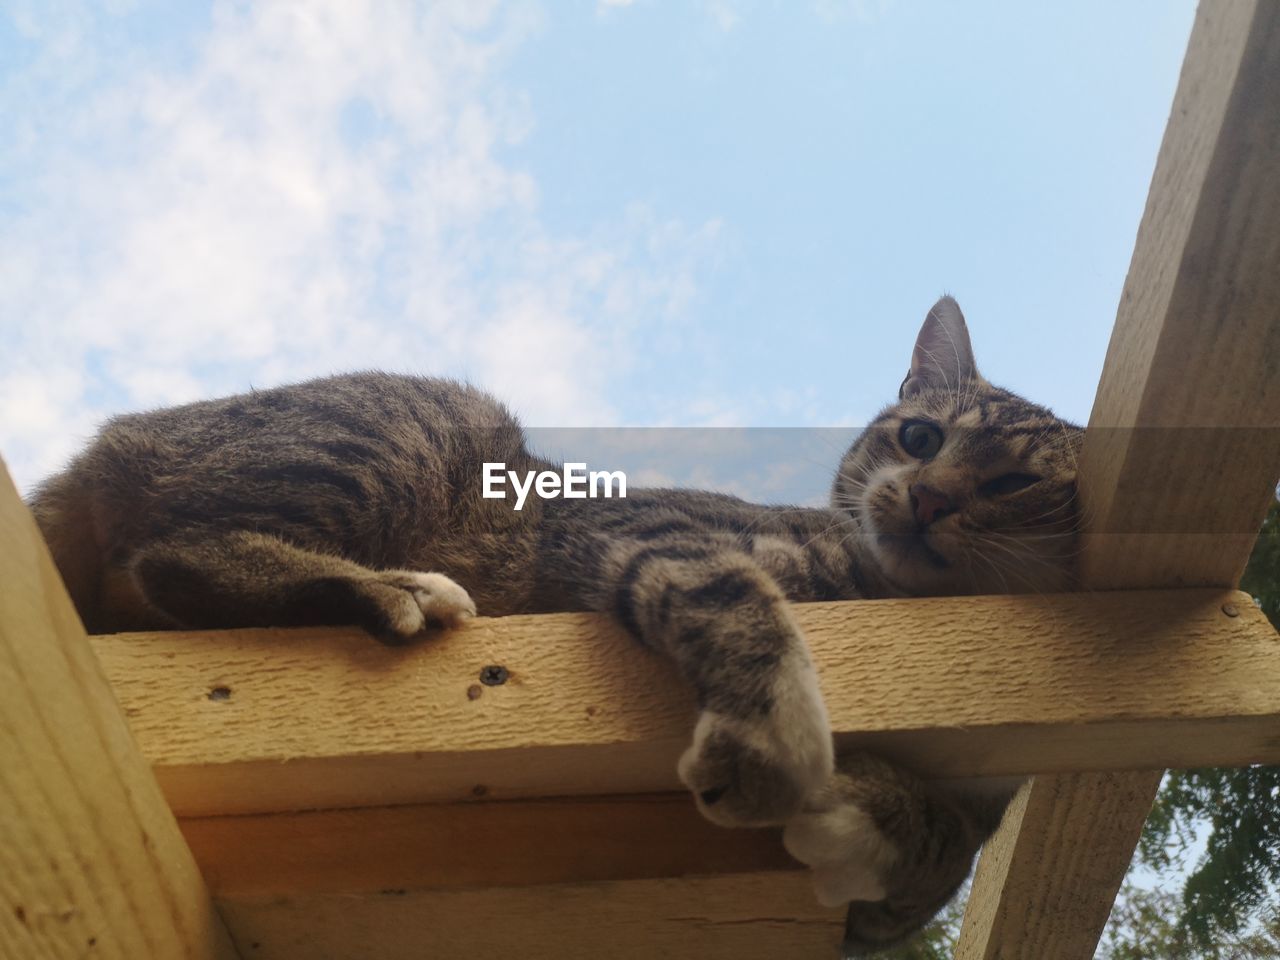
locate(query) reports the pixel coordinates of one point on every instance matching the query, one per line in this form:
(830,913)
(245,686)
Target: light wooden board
(1055,855)
(91,861)
(451,846)
(1181,458)
(954,686)
(1184,439)
(741,917)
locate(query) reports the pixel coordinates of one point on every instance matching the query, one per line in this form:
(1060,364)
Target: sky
(644,213)
(609,213)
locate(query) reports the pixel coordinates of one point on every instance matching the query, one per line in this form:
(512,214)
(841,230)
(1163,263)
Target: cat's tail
(871,927)
(63,509)
(941,860)
(896,846)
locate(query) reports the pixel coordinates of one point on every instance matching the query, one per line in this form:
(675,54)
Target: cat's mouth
(914,546)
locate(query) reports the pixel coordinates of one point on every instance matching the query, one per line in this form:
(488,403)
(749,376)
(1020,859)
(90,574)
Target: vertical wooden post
(91,860)
(1181,456)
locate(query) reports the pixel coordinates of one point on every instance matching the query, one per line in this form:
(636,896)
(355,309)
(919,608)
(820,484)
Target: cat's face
(962,487)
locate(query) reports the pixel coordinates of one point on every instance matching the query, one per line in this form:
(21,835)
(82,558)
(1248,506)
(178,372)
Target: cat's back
(347,430)
(389,411)
(362,464)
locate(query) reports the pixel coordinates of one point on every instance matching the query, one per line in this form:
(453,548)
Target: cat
(356,499)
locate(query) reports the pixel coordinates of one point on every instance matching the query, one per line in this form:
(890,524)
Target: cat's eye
(1007,483)
(921,440)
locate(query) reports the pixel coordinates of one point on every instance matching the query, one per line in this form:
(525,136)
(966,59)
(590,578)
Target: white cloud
(320,187)
(863,11)
(724,13)
(727,14)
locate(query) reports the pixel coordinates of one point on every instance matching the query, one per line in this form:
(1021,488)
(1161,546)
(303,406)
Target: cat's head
(962,487)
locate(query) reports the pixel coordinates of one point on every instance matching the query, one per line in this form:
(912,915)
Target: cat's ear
(943,357)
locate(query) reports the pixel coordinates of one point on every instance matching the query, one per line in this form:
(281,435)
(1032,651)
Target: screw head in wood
(494,676)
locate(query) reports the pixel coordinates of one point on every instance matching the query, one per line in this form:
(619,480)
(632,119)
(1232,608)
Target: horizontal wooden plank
(262,720)
(740,917)
(371,850)
(557,878)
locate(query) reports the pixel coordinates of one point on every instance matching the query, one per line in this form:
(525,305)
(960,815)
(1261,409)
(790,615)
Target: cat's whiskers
(1026,568)
(1050,538)
(1023,555)
(1030,521)
(858,483)
(994,569)
(973,577)
(840,521)
(1021,543)
(1056,529)
(1016,568)
(770,513)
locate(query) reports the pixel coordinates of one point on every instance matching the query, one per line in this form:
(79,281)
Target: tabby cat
(357,499)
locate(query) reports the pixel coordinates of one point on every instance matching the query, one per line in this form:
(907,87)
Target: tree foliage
(1235,879)
(1262,575)
(1145,926)
(1232,887)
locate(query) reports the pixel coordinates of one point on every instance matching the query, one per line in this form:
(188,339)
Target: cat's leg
(762,742)
(894,848)
(243,579)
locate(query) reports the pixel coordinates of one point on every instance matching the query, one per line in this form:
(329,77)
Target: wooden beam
(1184,440)
(737,917)
(261,720)
(1181,457)
(91,860)
(626,876)
(367,850)
(1030,859)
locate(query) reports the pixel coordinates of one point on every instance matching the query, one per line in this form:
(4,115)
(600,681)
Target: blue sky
(860,163)
(646,213)
(715,213)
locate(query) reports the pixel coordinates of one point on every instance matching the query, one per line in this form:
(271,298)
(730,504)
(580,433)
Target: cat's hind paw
(849,856)
(439,599)
(409,601)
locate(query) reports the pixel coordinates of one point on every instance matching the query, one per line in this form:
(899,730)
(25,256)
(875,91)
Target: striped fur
(356,499)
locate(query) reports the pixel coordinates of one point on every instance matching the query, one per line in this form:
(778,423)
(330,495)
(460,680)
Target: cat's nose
(929,504)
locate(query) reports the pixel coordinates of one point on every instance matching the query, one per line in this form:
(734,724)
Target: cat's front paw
(759,770)
(408,601)
(850,857)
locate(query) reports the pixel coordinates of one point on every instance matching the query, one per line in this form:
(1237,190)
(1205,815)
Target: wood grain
(1184,439)
(453,846)
(738,917)
(1180,459)
(260,720)
(1046,843)
(91,860)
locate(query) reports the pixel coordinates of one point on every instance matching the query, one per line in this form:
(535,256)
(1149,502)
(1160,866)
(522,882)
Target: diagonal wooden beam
(91,860)
(1035,862)
(1181,458)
